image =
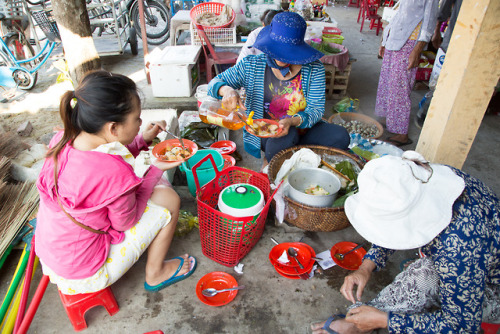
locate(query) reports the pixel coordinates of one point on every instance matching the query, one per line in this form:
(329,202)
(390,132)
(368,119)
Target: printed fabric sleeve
(378,255)
(138,145)
(429,20)
(314,91)
(126,210)
(233,77)
(461,291)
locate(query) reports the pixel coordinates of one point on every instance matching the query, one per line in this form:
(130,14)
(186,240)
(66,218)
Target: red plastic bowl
(229,161)
(160,148)
(269,121)
(217,280)
(351,261)
(224,146)
(303,254)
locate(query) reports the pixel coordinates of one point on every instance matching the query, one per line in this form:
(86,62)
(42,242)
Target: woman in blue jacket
(285,83)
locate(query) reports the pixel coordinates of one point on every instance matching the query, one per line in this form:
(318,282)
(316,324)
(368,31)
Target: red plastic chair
(490,328)
(213,58)
(77,305)
(368,10)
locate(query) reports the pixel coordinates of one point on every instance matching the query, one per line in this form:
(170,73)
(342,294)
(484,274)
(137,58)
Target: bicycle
(156,16)
(12,73)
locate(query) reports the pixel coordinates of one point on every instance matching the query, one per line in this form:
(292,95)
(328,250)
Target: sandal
(174,278)
(328,322)
(399,143)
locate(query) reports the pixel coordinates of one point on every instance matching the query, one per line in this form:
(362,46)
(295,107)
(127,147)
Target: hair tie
(73,101)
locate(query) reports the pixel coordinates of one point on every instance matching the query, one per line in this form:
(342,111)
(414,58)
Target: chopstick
(335,170)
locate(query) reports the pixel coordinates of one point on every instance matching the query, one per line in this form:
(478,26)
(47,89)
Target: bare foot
(340,326)
(168,270)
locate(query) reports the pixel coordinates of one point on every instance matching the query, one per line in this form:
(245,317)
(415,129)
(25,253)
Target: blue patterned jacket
(249,73)
(467,257)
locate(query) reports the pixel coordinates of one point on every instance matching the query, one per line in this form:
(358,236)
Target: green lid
(241,196)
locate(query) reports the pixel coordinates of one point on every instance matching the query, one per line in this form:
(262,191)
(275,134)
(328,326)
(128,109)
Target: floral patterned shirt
(467,257)
(283,98)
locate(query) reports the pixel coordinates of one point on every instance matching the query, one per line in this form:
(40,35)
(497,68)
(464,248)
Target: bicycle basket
(12,9)
(47,24)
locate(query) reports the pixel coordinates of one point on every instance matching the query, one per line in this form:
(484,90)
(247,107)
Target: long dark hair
(100,98)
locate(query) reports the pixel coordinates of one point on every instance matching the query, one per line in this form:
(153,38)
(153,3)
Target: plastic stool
(490,328)
(77,305)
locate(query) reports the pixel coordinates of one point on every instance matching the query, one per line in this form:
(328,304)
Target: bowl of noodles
(313,186)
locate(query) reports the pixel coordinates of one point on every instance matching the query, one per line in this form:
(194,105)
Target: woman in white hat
(406,203)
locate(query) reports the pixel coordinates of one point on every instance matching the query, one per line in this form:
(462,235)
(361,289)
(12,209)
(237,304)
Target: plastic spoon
(210,292)
(293,253)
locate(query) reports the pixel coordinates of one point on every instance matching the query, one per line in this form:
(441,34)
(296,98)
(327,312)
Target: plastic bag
(186,223)
(346,105)
(201,133)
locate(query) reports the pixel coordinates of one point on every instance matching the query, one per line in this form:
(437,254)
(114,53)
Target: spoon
(293,253)
(210,292)
(312,257)
(340,256)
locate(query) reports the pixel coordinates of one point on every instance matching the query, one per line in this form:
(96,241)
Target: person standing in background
(403,41)
(248,48)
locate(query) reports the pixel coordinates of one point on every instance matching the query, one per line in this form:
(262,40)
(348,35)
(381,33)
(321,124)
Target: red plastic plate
(160,148)
(269,121)
(224,146)
(228,161)
(351,261)
(217,280)
(303,253)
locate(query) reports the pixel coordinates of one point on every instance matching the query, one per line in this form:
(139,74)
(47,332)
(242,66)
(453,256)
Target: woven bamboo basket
(306,217)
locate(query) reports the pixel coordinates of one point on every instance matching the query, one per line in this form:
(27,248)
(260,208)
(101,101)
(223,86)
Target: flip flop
(331,319)
(399,143)
(174,278)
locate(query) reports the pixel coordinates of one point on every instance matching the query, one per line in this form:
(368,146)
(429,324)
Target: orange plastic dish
(269,121)
(228,161)
(351,261)
(303,254)
(217,280)
(224,147)
(160,149)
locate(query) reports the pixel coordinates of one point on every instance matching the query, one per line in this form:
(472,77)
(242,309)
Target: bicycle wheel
(20,47)
(24,79)
(157,17)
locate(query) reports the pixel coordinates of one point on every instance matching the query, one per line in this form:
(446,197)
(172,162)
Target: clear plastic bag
(346,105)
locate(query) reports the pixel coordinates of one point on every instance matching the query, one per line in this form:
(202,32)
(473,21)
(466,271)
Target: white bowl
(301,179)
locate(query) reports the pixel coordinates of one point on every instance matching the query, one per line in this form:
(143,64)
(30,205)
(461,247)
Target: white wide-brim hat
(403,202)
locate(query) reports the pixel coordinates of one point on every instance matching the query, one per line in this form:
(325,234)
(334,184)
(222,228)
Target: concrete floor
(270,303)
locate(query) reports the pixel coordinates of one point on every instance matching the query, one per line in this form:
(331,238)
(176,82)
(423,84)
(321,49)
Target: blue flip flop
(327,328)
(174,278)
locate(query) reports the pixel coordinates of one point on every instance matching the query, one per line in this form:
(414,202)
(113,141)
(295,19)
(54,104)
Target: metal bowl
(303,178)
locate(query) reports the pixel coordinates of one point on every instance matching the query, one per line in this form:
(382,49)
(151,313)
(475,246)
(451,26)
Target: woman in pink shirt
(96,217)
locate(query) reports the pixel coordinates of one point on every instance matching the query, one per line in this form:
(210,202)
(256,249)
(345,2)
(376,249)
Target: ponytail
(68,111)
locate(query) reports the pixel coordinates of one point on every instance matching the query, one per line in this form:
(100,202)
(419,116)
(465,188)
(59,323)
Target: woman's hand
(286,123)
(381,51)
(165,165)
(414,58)
(152,130)
(231,99)
(360,277)
(367,318)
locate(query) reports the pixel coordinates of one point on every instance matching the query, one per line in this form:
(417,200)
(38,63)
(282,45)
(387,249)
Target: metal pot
(301,179)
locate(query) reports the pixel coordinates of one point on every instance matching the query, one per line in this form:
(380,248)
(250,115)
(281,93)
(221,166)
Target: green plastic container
(205,172)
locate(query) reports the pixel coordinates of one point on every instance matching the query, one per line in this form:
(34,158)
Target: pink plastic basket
(224,238)
(211,7)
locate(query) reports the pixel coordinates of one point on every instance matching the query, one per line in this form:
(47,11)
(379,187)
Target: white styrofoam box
(175,70)
(256,10)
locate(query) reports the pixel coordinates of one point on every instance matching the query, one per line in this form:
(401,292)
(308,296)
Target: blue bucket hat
(283,40)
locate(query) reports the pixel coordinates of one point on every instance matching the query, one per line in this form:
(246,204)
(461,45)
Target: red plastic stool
(77,305)
(490,328)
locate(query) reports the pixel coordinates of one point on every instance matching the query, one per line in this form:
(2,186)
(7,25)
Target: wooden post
(144,39)
(468,77)
(74,26)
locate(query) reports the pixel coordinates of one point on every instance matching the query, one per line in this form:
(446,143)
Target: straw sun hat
(403,202)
